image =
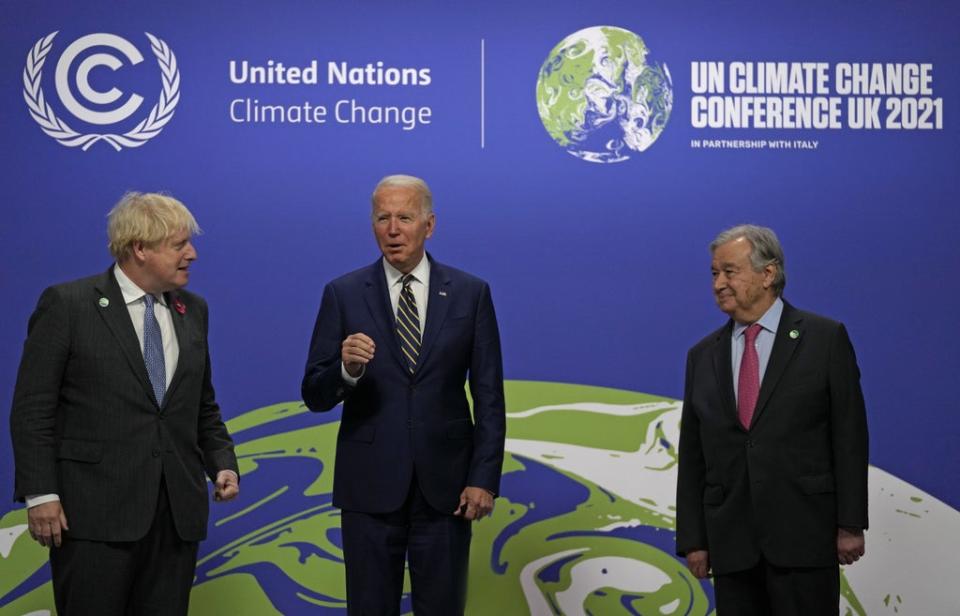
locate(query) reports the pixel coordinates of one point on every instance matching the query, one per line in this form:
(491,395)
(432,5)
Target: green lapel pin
(794,333)
(104,302)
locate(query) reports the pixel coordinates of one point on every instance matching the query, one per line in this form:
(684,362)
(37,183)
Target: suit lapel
(117,318)
(377,298)
(180,327)
(436,309)
(784,347)
(723,369)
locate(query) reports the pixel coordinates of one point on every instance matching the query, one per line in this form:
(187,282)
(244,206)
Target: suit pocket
(359,434)
(80,451)
(460,428)
(817,484)
(713,495)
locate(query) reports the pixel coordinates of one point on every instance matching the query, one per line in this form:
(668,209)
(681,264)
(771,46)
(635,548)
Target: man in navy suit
(772,484)
(396,342)
(115,424)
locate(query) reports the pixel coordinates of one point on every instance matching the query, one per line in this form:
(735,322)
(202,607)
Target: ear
(138,252)
(431,224)
(769,274)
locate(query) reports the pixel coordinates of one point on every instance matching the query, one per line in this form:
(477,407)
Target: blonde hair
(149,218)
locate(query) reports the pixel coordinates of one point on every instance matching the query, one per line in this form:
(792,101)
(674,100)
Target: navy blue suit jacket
(395,423)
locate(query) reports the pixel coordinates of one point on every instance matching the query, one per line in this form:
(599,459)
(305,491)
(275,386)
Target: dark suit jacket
(86,426)
(395,423)
(782,488)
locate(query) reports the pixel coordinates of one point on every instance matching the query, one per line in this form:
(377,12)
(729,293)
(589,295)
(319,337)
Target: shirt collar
(421,272)
(129,289)
(769,321)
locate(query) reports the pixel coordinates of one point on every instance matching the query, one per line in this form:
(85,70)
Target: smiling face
(401,226)
(740,291)
(166,265)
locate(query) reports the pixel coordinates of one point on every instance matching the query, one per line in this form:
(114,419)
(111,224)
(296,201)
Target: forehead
(397,197)
(178,237)
(735,251)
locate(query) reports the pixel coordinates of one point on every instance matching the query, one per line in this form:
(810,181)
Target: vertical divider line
(483,85)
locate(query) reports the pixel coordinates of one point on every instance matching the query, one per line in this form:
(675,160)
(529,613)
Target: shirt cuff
(351,380)
(38,499)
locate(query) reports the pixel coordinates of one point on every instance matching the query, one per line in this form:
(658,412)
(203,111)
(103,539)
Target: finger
(63,521)
(365,339)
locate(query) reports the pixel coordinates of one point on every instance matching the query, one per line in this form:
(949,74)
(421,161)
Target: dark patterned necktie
(408,324)
(153,349)
(748,386)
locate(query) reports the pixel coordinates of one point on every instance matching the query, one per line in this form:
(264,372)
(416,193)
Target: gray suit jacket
(782,487)
(85,424)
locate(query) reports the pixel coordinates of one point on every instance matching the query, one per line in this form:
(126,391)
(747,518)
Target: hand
(47,523)
(227,486)
(356,352)
(850,546)
(698,562)
(474,503)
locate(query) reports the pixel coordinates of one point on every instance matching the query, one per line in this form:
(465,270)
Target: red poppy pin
(179,306)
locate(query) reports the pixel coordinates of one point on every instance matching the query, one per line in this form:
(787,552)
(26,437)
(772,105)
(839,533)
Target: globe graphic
(584,524)
(600,97)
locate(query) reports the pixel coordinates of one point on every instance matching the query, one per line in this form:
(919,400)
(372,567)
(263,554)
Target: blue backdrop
(600,272)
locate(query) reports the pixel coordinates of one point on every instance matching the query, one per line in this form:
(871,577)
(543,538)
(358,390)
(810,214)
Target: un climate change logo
(601,97)
(101,115)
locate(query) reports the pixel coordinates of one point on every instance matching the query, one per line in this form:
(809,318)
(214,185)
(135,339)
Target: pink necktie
(748,385)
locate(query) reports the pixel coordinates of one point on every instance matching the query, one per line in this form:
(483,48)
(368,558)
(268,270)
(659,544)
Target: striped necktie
(153,349)
(408,324)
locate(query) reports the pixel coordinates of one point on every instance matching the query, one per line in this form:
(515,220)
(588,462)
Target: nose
(719,283)
(392,227)
(191,254)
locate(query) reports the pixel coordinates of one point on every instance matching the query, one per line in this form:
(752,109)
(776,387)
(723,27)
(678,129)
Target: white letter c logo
(83,82)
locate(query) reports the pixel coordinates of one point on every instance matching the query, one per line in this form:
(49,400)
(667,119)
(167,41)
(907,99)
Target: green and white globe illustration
(584,524)
(601,97)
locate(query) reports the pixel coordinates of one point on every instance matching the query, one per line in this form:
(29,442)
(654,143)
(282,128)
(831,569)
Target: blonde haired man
(114,421)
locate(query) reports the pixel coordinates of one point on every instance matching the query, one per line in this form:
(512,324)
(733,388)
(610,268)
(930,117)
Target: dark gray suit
(782,488)
(85,424)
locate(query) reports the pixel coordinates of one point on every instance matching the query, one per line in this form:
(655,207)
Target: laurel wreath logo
(149,128)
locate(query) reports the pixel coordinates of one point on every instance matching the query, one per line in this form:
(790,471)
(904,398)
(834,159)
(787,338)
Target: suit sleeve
(323,386)
(214,440)
(37,395)
(486,389)
(691,526)
(849,433)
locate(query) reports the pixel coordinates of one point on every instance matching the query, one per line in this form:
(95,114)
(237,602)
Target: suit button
(749,443)
(156,453)
(409,423)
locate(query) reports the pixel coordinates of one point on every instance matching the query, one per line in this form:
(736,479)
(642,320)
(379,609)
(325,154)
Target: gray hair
(406,181)
(765,250)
